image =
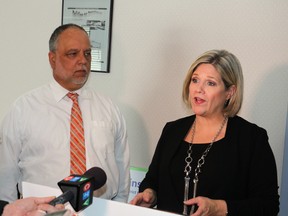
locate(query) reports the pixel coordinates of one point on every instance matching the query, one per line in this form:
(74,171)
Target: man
(35,134)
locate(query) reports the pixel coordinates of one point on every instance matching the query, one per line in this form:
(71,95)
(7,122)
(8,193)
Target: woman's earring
(226,103)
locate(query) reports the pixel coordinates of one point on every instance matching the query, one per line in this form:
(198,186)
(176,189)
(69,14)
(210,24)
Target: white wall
(153,45)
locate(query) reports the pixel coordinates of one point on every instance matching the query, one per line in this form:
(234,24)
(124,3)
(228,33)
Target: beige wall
(153,44)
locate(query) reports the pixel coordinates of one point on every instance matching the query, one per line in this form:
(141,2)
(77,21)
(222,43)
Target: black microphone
(78,189)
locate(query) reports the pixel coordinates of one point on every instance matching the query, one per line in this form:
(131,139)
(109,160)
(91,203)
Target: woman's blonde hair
(230,71)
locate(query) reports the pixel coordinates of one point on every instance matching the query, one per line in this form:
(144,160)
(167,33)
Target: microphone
(78,189)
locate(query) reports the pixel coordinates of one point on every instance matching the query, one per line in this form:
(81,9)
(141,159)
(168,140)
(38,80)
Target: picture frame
(95,16)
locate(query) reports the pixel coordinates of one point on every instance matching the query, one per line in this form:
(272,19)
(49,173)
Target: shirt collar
(59,92)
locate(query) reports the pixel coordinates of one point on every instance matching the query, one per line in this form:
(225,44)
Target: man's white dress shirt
(35,141)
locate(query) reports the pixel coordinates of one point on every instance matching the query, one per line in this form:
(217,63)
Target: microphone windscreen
(98,175)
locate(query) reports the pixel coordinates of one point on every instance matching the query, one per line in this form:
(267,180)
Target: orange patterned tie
(77,140)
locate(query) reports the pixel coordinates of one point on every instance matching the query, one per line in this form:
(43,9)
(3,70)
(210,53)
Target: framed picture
(95,16)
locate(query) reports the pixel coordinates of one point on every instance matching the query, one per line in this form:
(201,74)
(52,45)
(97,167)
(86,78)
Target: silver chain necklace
(201,161)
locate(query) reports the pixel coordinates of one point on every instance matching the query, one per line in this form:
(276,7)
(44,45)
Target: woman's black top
(240,169)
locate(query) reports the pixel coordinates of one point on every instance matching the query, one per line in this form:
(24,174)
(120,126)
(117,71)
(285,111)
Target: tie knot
(73,96)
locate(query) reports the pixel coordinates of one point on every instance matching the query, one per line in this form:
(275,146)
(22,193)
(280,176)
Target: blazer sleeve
(171,136)
(151,178)
(2,205)
(262,192)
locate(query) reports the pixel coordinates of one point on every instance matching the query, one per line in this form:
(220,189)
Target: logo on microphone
(87,186)
(86,195)
(75,179)
(68,178)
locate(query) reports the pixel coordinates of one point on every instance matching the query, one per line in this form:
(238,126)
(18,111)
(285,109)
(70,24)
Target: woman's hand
(208,207)
(146,199)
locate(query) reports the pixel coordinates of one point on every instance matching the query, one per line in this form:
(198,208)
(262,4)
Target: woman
(213,163)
